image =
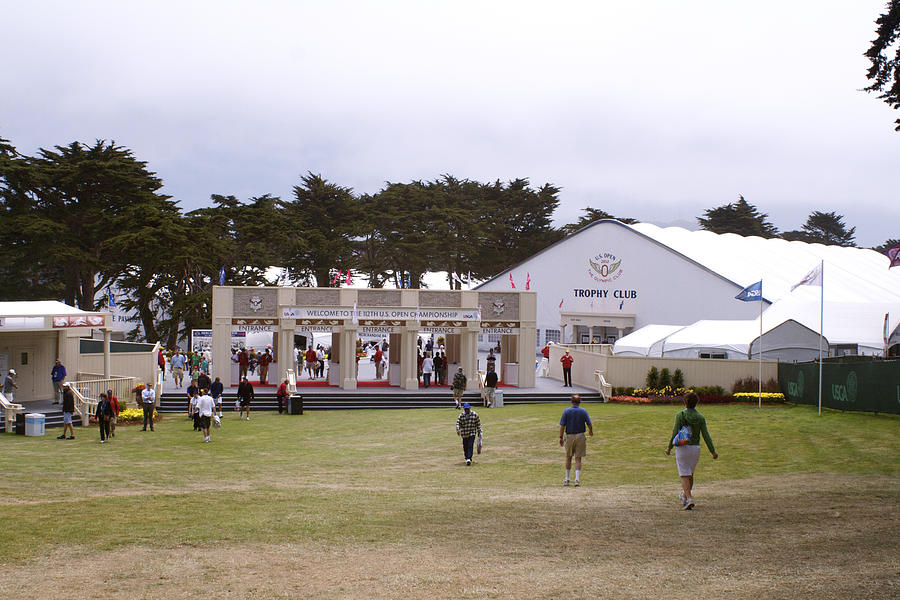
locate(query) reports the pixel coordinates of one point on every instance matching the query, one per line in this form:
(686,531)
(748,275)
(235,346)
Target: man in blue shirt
(58,376)
(572,425)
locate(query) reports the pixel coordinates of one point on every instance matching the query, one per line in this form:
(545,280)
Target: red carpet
(373,384)
(307,383)
(257,384)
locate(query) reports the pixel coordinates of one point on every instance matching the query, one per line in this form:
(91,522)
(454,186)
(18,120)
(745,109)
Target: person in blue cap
(468,425)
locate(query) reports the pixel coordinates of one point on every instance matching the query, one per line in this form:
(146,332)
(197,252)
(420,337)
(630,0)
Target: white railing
(85,406)
(603,387)
(121,387)
(10,409)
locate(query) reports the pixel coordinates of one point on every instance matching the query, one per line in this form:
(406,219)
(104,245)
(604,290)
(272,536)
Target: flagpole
(821,322)
(760,346)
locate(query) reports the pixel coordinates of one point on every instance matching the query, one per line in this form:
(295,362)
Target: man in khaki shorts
(572,425)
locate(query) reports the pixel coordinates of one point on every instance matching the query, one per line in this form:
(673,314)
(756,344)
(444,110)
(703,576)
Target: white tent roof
(735,336)
(38,308)
(850,274)
(859,323)
(645,340)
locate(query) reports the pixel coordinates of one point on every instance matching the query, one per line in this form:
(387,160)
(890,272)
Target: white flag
(814,277)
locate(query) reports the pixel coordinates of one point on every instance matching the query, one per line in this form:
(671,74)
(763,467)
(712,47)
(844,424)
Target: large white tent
(609,280)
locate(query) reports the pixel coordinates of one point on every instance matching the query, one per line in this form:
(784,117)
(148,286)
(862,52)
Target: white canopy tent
(646,341)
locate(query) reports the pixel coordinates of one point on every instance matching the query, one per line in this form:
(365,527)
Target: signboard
(254,328)
(318,328)
(407,314)
(201,338)
(378,330)
(254,322)
(440,330)
(78,321)
(22,323)
(500,330)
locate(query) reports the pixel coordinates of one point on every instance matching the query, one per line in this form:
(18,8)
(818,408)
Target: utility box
(34,424)
(498,398)
(20,424)
(296,403)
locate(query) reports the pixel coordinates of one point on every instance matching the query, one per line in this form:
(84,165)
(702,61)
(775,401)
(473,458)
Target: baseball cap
(466,405)
(12,371)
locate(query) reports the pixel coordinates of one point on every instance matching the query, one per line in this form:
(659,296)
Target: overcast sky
(655,110)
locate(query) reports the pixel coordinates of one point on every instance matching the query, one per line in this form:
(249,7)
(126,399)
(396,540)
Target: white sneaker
(577,483)
(248,418)
(566,481)
(688,504)
(206,439)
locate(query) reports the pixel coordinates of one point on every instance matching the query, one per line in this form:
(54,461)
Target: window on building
(551,335)
(720,355)
(845,350)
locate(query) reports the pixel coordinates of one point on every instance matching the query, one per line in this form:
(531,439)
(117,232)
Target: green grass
(346,477)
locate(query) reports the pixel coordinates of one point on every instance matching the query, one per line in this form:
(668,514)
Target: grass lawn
(379,504)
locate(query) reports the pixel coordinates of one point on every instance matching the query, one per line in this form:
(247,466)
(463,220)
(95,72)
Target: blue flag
(751,293)
(222,276)
(112,299)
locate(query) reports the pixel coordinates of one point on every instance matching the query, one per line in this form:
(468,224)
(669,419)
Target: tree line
(77,219)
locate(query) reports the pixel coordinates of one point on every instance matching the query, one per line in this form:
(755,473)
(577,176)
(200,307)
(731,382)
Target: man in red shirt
(311,362)
(377,358)
(243,363)
(567,361)
(282,396)
(264,361)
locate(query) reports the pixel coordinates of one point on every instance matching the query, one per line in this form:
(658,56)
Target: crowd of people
(205,409)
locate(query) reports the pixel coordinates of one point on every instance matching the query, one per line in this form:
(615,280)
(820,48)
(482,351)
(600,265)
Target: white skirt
(686,457)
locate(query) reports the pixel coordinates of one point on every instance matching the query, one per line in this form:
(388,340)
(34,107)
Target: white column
(409,356)
(348,356)
(468,356)
(107,367)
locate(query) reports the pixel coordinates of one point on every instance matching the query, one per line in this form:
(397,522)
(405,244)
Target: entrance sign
(318,328)
(255,328)
(441,330)
(500,330)
(378,330)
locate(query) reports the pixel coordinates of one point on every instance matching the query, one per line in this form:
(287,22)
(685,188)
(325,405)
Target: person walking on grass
(572,426)
(245,396)
(490,388)
(459,386)
(688,454)
(216,389)
(114,405)
(206,406)
(468,425)
(103,414)
(68,406)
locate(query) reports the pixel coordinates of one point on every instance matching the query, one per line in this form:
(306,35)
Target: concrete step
(178,403)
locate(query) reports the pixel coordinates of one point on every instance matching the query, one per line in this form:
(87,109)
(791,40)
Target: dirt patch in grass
(798,536)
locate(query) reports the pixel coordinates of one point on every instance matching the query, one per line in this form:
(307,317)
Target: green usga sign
(845,392)
(871,385)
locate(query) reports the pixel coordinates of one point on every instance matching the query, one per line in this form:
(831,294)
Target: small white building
(609,280)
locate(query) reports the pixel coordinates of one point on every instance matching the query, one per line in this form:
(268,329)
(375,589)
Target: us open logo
(605,267)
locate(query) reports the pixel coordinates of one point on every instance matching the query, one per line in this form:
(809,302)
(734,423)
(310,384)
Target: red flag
(349,281)
(894,255)
(560,302)
(511,282)
(527,281)
(336,277)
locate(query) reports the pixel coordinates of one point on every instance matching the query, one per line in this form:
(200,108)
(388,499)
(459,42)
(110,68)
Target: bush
(665,378)
(771,386)
(767,396)
(652,380)
(678,379)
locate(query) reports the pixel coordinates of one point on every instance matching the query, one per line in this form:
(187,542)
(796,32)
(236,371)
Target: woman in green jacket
(688,455)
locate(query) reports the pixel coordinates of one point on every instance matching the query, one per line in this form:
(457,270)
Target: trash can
(296,403)
(34,424)
(498,398)
(20,424)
